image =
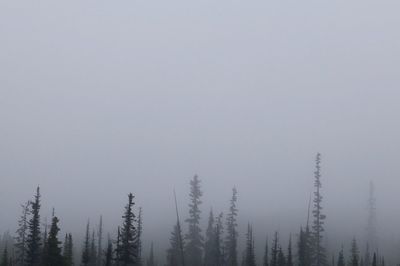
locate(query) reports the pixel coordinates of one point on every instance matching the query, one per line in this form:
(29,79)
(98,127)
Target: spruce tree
(128,248)
(100,242)
(281,258)
(151,260)
(354,254)
(218,246)
(341,258)
(194,245)
(266,257)
(52,256)
(33,254)
(139,237)
(250,259)
(367,256)
(374,261)
(209,245)
(275,250)
(20,239)
(319,255)
(109,254)
(5,258)
(86,247)
(174,256)
(93,251)
(68,252)
(232,234)
(289,261)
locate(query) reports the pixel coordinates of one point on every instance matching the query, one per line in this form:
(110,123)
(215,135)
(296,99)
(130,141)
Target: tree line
(37,245)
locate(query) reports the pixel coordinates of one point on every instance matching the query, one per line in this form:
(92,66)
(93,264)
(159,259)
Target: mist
(99,99)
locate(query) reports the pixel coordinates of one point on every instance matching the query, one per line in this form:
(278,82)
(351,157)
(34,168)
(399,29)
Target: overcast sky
(102,98)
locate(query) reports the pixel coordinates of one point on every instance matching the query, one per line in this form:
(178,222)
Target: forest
(35,244)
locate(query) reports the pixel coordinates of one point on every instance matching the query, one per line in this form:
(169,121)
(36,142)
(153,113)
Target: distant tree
(118,247)
(151,261)
(93,251)
(139,237)
(218,246)
(100,242)
(281,258)
(20,239)
(341,258)
(232,234)
(174,256)
(52,256)
(109,254)
(250,259)
(68,250)
(194,245)
(33,254)
(318,225)
(374,261)
(209,245)
(304,247)
(128,248)
(85,260)
(354,254)
(266,257)
(5,258)
(274,250)
(367,256)
(289,261)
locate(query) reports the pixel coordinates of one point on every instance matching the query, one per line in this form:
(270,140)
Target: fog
(102,98)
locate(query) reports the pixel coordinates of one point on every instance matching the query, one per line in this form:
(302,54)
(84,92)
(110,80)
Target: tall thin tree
(231,230)
(33,241)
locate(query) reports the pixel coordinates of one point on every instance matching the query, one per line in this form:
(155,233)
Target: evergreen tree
(281,258)
(139,237)
(86,247)
(209,245)
(33,254)
(150,260)
(266,257)
(250,259)
(367,256)
(68,252)
(109,254)
(289,261)
(194,245)
(22,231)
(93,251)
(5,258)
(318,228)
(341,258)
(354,254)
(174,256)
(128,248)
(218,246)
(374,262)
(118,247)
(52,256)
(274,251)
(232,234)
(100,242)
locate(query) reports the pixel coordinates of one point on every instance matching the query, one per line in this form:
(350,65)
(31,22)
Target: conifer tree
(68,250)
(367,256)
(86,247)
(194,245)
(266,257)
(151,260)
(139,237)
(275,251)
(281,258)
(354,254)
(93,251)
(118,247)
(232,234)
(109,254)
(174,256)
(318,225)
(304,248)
(218,246)
(128,248)
(374,262)
(5,258)
(33,254)
(250,259)
(341,258)
(289,261)
(22,231)
(52,256)
(100,242)
(209,245)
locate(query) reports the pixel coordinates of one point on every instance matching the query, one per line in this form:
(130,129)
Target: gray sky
(102,98)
